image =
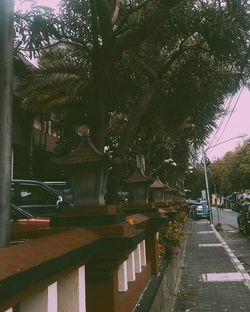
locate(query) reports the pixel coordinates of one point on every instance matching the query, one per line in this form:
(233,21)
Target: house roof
(157,184)
(85,152)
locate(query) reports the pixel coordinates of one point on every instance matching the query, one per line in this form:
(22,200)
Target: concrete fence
(102,268)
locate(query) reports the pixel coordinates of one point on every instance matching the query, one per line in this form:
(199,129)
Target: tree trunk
(128,133)
(46,133)
(97,120)
(6,83)
(101,68)
(132,125)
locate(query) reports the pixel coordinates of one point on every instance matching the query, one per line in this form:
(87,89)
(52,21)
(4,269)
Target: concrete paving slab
(226,288)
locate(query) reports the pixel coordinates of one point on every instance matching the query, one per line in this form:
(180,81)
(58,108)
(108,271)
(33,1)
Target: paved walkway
(212,278)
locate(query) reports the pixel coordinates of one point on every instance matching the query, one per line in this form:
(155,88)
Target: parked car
(63,189)
(36,197)
(123,197)
(22,223)
(243,219)
(198,209)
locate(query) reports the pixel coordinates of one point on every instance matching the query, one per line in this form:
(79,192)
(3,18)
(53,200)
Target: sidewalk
(212,278)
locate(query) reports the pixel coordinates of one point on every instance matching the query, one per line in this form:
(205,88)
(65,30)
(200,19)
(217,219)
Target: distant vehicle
(123,197)
(233,201)
(63,189)
(22,223)
(36,197)
(243,219)
(236,206)
(198,209)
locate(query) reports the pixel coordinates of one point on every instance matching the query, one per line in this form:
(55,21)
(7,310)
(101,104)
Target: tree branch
(105,23)
(55,44)
(116,11)
(141,32)
(94,24)
(144,103)
(151,73)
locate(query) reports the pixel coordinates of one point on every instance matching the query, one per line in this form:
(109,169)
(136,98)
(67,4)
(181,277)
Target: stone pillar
(138,187)
(157,191)
(43,301)
(143,253)
(138,268)
(131,267)
(102,289)
(151,251)
(71,291)
(123,277)
(86,169)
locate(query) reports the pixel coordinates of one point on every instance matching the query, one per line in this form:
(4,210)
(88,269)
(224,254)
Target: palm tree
(140,55)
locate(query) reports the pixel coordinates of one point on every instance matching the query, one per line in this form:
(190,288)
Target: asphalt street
(239,243)
(227,217)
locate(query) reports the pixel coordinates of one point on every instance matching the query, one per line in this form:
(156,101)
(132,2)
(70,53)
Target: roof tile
(85,152)
(138,176)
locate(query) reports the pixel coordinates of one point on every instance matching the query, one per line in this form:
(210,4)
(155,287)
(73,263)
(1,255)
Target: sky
(23,4)
(237,125)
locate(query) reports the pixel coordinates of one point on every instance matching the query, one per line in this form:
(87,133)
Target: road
(239,243)
(227,217)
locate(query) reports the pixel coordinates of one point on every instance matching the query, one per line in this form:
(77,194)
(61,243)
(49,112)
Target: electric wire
(228,104)
(231,113)
(243,66)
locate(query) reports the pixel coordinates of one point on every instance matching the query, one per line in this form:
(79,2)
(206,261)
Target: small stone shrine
(138,187)
(87,170)
(157,191)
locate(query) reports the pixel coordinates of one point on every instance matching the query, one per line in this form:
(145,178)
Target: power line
(232,164)
(231,113)
(229,102)
(242,67)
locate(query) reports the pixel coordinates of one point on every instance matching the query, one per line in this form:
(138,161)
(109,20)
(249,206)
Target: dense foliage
(232,172)
(153,72)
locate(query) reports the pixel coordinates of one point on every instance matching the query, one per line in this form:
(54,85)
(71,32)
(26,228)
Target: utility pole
(205,172)
(6,87)
(207,187)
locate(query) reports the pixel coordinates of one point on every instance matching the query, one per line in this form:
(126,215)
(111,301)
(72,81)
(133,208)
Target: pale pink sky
(23,4)
(238,124)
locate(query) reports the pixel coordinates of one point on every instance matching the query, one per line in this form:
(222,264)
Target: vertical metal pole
(12,164)
(6,83)
(217,208)
(207,187)
(31,149)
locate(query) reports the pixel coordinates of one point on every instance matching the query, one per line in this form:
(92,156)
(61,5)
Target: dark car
(23,223)
(198,209)
(63,189)
(36,197)
(243,219)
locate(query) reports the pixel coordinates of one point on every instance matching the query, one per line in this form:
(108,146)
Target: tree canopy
(161,65)
(232,172)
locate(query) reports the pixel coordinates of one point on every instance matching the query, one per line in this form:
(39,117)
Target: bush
(170,236)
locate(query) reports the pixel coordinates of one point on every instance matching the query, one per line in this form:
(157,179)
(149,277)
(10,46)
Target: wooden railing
(102,268)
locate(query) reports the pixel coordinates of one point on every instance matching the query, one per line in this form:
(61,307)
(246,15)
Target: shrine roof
(85,152)
(157,184)
(138,176)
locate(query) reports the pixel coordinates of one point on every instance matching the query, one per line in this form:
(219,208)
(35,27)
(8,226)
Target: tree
(146,45)
(232,172)
(195,181)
